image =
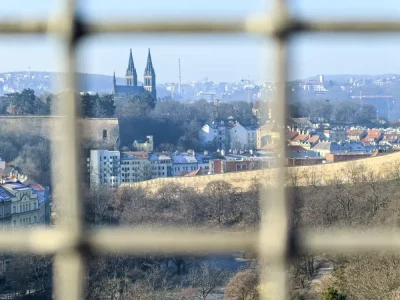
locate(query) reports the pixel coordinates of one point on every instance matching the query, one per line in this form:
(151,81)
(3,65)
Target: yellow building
(267,134)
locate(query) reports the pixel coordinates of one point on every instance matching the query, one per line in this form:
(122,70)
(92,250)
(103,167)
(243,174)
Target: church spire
(131,76)
(114,80)
(149,66)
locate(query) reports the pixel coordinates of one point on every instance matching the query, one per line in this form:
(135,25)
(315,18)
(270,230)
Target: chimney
(223,152)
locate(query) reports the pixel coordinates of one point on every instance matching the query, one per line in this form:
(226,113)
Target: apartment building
(135,166)
(161,164)
(104,168)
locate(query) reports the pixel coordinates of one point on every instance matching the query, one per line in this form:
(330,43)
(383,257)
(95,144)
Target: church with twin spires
(131,88)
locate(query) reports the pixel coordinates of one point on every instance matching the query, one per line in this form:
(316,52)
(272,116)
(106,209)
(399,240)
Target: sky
(220,58)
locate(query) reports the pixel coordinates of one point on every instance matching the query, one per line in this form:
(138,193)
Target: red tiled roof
(197,172)
(369,138)
(301,137)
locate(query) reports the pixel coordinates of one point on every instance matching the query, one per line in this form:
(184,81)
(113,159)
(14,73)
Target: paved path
(324,269)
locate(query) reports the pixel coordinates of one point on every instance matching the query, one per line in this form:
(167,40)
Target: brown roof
(37,186)
(354,132)
(140,154)
(301,137)
(313,139)
(291,135)
(375,132)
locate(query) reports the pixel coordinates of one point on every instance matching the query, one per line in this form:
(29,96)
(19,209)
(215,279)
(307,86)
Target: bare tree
(205,278)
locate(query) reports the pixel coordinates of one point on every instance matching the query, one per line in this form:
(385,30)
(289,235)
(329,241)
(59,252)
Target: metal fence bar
(67,241)
(68,263)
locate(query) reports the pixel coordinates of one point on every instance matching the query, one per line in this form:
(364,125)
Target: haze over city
(221,58)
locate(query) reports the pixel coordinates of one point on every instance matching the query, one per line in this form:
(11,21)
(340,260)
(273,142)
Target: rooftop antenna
(29,72)
(179,84)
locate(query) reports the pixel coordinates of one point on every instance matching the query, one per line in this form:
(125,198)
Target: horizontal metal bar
(350,240)
(38,240)
(171,241)
(126,240)
(261,25)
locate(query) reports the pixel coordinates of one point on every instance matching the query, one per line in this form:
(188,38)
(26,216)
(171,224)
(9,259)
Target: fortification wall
(380,166)
(91,128)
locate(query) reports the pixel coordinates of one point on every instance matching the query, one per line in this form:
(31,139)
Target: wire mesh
(69,240)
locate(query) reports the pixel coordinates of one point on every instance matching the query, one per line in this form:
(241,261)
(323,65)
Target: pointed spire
(149,66)
(131,66)
(114,80)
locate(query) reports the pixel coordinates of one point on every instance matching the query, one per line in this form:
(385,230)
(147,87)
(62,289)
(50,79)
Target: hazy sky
(221,58)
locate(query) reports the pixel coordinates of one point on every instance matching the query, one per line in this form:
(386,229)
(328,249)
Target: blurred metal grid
(275,242)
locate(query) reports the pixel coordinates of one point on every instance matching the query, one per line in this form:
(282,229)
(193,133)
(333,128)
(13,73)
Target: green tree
(26,103)
(333,294)
(97,106)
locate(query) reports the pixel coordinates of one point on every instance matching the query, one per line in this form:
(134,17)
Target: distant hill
(52,81)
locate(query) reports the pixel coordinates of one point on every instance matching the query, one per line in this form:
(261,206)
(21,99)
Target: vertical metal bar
(68,265)
(274,224)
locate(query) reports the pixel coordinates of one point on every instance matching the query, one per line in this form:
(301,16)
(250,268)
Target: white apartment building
(161,164)
(215,135)
(135,167)
(243,137)
(104,168)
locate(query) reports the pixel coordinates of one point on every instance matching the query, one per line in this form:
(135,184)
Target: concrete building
(183,163)
(215,135)
(243,137)
(104,168)
(135,166)
(161,164)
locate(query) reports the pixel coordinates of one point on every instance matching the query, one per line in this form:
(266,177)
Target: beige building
(267,134)
(146,145)
(24,204)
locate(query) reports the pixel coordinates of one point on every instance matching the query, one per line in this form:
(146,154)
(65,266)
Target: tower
(131,75)
(114,84)
(150,78)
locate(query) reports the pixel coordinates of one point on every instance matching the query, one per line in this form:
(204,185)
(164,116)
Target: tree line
(362,201)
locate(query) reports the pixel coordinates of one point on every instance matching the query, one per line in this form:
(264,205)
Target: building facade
(104,168)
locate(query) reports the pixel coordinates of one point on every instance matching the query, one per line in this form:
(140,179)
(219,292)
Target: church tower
(150,78)
(131,75)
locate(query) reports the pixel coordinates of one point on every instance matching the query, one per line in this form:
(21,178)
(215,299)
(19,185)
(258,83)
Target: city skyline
(220,58)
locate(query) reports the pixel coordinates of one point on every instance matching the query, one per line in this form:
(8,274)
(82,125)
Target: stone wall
(381,166)
(91,128)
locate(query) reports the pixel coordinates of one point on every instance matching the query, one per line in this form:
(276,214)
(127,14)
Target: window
(104,134)
(279,29)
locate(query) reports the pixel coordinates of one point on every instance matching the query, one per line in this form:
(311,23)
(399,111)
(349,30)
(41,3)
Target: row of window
(25,221)
(24,207)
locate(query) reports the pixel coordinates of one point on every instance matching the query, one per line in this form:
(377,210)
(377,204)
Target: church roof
(128,89)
